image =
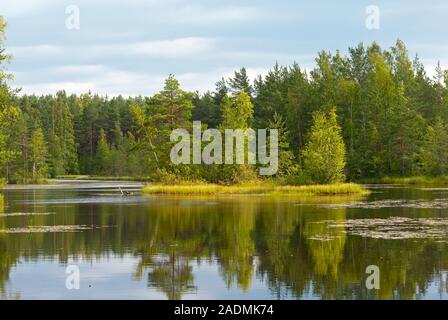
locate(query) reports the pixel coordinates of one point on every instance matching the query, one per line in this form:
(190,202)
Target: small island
(258,188)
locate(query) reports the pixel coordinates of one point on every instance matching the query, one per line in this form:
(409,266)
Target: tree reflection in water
(283,242)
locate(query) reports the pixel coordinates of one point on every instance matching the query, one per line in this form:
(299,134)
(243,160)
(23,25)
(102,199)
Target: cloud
(78,69)
(31,51)
(206,15)
(108,81)
(171,48)
(18,8)
(96,78)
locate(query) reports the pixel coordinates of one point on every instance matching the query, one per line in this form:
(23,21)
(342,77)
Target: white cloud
(111,82)
(172,48)
(18,8)
(32,51)
(95,78)
(203,15)
(53,87)
(78,69)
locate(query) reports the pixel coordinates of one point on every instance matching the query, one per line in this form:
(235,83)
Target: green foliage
(392,119)
(103,154)
(286,161)
(324,154)
(38,155)
(167,110)
(240,83)
(434,152)
(237,111)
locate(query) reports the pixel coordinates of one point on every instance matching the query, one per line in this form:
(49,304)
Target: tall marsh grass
(416,180)
(267,188)
(2,203)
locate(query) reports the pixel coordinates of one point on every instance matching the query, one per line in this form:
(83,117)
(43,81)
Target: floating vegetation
(417,204)
(325,237)
(20,214)
(46,229)
(392,228)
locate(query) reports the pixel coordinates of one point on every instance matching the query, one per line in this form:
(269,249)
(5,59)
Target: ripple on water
(198,203)
(91,200)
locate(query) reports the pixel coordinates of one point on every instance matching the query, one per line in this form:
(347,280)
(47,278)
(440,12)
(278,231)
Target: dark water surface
(240,247)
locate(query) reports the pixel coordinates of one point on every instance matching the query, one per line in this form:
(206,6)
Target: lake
(229,247)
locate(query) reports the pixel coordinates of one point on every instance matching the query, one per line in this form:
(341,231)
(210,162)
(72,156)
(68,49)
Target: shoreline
(412,180)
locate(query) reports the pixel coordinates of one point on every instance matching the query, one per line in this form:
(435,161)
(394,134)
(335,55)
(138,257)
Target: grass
(415,180)
(265,188)
(2,203)
(103,178)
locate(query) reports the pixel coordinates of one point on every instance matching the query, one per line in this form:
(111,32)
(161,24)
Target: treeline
(370,113)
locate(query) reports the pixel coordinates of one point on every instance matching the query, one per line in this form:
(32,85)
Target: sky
(129,47)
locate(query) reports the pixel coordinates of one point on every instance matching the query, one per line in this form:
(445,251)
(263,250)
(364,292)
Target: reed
(414,180)
(268,188)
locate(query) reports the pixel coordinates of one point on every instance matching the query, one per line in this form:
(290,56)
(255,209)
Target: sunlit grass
(416,180)
(268,188)
(103,178)
(2,203)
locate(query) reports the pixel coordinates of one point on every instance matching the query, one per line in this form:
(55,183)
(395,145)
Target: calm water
(147,247)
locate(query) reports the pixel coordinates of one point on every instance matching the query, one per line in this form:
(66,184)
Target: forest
(371,112)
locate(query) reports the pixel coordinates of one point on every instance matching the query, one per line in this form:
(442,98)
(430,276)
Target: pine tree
(166,111)
(171,108)
(240,83)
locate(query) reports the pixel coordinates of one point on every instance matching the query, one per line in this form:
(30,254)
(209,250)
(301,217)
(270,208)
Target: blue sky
(129,47)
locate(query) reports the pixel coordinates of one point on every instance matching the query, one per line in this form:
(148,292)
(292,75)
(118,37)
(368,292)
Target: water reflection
(254,246)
